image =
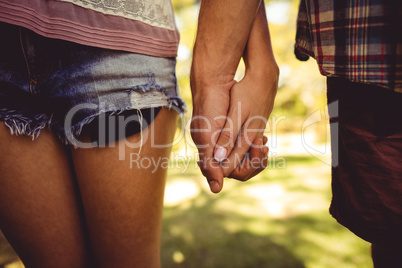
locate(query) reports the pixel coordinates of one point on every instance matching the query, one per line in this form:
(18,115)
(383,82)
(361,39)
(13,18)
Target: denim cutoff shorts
(64,86)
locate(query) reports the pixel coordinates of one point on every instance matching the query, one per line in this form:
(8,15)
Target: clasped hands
(229,117)
(228,123)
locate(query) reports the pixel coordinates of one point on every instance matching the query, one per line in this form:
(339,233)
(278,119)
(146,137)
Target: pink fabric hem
(89,27)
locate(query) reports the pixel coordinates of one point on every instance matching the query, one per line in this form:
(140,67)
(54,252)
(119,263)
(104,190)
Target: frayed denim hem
(20,124)
(68,133)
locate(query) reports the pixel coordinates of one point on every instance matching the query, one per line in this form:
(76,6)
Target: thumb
(215,182)
(209,115)
(228,136)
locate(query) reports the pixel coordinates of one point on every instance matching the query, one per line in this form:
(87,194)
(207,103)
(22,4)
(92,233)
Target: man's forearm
(223,30)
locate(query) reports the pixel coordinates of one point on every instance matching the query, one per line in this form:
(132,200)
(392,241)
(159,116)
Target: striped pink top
(145,27)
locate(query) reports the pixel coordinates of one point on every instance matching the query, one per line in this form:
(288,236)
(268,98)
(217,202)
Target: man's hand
(210,107)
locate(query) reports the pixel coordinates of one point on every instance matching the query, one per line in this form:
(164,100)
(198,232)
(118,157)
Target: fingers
(244,144)
(264,165)
(212,171)
(264,139)
(245,122)
(255,161)
(229,133)
(224,125)
(209,115)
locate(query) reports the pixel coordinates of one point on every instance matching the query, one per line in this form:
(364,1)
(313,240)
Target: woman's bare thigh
(122,189)
(40,209)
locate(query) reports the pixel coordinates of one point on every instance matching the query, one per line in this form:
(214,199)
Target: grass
(278,219)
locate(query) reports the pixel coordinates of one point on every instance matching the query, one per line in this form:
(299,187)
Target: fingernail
(265,149)
(220,154)
(214,186)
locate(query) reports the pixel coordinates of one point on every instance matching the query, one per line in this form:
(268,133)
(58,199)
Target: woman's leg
(39,202)
(123,199)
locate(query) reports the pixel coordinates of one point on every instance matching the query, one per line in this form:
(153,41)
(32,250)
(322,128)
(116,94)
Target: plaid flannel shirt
(360,40)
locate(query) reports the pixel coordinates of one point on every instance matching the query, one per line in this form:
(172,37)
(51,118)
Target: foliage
(278,219)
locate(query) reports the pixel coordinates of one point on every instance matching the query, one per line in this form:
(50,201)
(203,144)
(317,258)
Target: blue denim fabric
(64,86)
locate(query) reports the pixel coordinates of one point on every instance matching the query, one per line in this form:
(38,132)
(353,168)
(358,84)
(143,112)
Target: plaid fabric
(360,40)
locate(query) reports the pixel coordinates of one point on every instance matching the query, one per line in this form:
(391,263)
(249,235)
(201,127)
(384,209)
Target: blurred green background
(278,219)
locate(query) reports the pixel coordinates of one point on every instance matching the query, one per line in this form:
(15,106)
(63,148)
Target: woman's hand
(251,102)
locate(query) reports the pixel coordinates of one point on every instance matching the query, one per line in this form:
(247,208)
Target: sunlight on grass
(179,191)
(278,219)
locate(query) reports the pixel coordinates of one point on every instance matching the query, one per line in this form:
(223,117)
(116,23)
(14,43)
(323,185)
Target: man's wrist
(207,74)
